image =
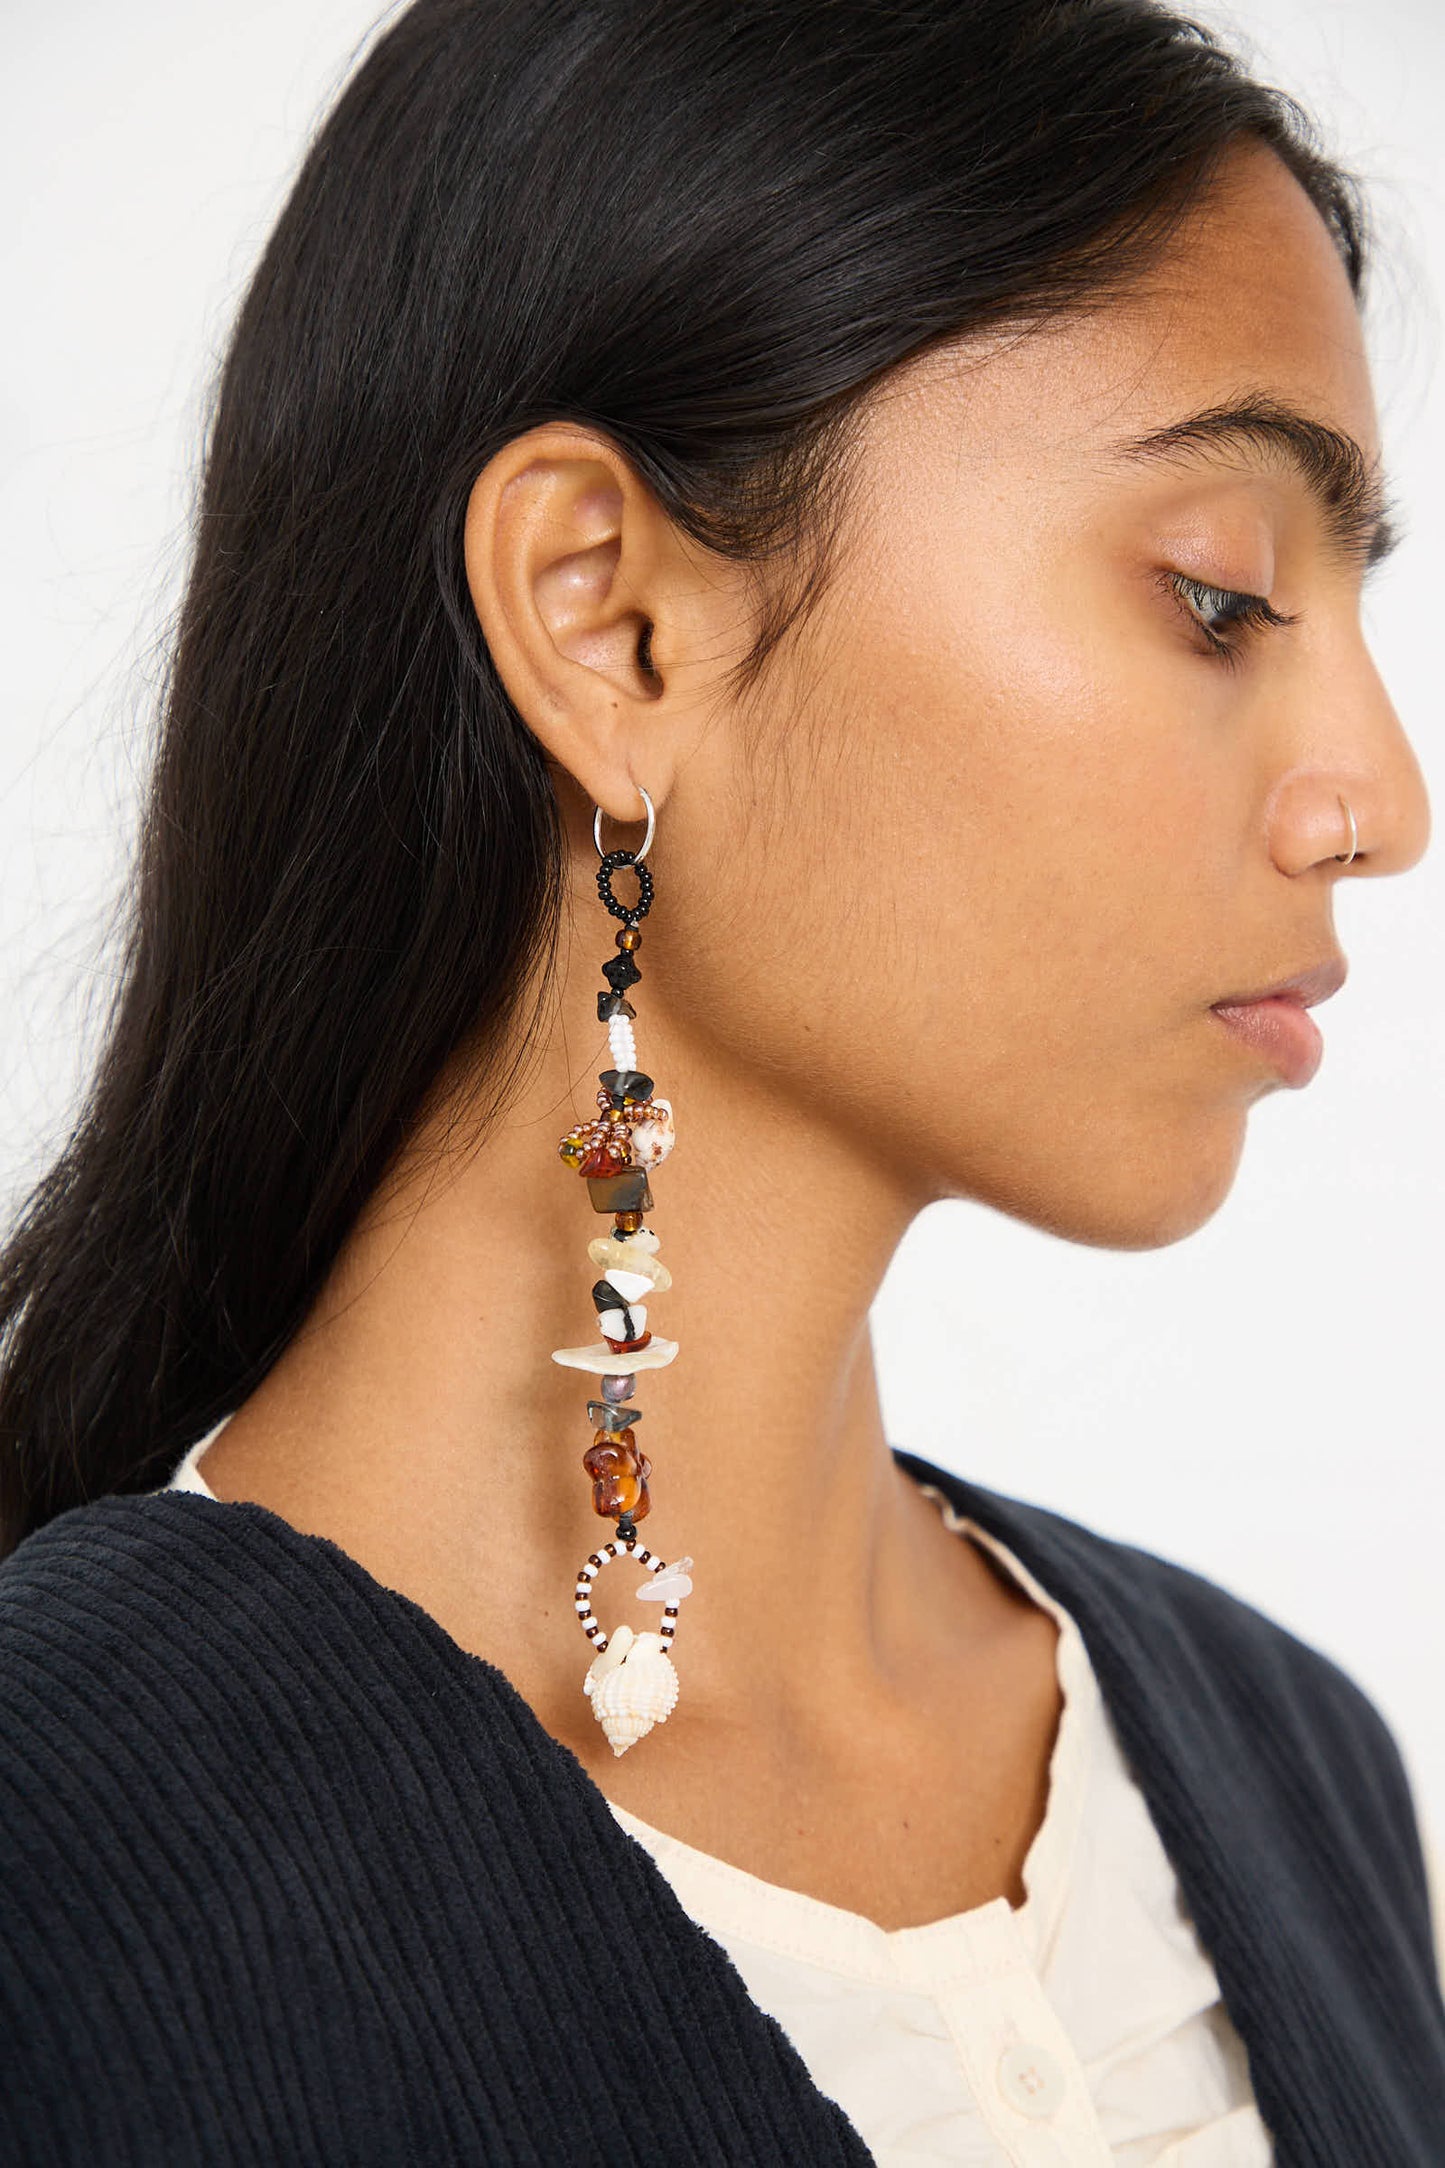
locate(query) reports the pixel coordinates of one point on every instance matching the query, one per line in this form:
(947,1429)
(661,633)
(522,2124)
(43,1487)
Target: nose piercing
(1343,856)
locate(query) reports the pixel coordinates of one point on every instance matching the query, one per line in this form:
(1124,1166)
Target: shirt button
(1029,2079)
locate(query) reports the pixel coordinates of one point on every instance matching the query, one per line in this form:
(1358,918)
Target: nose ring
(1344,857)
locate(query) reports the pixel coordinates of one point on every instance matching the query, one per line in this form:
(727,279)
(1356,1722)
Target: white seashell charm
(633,1690)
(607,1658)
(654,1138)
(631,1683)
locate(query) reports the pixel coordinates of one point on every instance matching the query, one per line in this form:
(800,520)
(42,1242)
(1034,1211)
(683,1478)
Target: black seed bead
(628,913)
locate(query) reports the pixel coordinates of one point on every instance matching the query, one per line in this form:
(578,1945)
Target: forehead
(1249,291)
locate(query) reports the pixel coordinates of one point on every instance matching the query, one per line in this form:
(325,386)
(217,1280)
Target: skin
(941,914)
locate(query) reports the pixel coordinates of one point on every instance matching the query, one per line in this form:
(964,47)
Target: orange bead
(619,1475)
(603,1158)
(616,1440)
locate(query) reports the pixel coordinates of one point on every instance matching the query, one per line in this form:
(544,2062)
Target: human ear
(578,579)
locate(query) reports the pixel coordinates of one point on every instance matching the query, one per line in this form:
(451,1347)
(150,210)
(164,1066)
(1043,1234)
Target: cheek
(1057,794)
(1027,815)
(970,876)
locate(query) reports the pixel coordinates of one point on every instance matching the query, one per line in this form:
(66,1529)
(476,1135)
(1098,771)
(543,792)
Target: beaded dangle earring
(631,1682)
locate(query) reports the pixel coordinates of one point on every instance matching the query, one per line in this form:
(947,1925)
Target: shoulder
(166,1657)
(126,1752)
(137,1638)
(1173,1645)
(112,1608)
(221,1742)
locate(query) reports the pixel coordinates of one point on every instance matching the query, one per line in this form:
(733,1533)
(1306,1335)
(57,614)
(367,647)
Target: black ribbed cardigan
(287,1876)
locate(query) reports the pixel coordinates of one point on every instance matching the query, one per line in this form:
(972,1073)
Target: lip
(1306,987)
(1276,1022)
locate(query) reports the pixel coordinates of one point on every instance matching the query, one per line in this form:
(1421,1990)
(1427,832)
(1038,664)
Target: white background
(1262,1401)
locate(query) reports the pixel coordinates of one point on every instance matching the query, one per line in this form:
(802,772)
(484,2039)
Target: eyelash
(1248,613)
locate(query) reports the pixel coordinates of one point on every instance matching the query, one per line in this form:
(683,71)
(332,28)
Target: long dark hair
(705,228)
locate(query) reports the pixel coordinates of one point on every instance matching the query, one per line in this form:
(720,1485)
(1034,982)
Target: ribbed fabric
(287,1876)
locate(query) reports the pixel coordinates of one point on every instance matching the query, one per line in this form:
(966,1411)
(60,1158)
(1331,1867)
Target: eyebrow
(1349,492)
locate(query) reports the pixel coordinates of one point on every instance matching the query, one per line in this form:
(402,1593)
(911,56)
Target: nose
(1361,755)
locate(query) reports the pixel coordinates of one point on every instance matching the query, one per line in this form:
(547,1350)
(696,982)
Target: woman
(922,462)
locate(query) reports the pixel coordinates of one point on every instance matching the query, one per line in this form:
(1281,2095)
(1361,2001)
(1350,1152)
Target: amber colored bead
(605,1461)
(613,1440)
(619,1476)
(603,1158)
(608,1451)
(614,1494)
(628,1223)
(630,938)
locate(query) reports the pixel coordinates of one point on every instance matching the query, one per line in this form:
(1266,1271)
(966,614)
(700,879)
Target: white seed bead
(622,1041)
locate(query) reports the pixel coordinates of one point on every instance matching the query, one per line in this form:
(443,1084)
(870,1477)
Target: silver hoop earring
(646,844)
(1344,857)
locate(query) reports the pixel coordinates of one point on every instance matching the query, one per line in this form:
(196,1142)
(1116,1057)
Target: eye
(1225,616)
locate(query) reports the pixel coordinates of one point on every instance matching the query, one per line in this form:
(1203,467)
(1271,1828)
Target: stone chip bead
(622,1085)
(604,1157)
(612,1415)
(630,1335)
(627,1191)
(624,1262)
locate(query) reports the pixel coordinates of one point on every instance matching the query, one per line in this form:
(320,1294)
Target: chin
(1172,1196)
(1140,1191)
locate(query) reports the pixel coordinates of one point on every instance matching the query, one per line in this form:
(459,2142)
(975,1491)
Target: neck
(419,1421)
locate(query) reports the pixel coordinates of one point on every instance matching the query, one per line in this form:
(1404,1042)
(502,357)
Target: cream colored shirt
(1083,2030)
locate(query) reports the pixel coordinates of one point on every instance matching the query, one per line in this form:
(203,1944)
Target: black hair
(706,228)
